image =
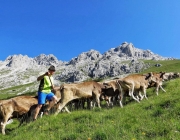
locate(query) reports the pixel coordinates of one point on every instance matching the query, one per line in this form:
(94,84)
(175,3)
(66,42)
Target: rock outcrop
(124,59)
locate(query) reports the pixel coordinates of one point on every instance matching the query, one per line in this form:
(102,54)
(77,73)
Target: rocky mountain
(124,59)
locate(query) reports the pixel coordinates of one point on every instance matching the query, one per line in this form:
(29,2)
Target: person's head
(51,69)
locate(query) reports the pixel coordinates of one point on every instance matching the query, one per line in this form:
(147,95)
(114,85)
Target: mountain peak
(128,51)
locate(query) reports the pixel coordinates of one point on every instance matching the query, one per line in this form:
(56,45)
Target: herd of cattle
(90,93)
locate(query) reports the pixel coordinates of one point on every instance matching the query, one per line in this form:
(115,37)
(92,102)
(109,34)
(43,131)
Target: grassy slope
(156,118)
(167,66)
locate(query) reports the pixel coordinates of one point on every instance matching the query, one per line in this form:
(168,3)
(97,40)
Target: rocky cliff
(124,59)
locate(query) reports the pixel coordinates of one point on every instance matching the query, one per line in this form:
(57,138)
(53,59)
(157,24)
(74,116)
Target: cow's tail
(120,92)
(119,84)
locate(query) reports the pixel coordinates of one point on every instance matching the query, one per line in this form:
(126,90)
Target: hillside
(156,118)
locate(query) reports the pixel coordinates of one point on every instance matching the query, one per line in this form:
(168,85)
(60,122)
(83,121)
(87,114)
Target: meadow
(157,118)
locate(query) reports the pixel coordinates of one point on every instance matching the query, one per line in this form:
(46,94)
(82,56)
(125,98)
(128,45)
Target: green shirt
(45,84)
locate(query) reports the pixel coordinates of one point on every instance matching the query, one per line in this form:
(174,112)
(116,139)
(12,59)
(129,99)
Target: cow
(157,81)
(88,89)
(170,75)
(134,83)
(53,107)
(15,107)
(110,93)
(176,75)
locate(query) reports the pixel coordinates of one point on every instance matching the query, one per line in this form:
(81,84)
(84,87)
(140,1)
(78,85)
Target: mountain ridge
(124,59)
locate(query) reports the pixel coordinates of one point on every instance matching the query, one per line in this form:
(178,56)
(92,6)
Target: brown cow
(57,92)
(111,92)
(70,92)
(15,108)
(132,83)
(157,81)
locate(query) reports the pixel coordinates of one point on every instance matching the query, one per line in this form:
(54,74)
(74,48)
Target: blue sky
(67,28)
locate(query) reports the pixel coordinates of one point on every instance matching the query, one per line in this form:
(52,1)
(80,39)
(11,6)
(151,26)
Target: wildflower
(143,133)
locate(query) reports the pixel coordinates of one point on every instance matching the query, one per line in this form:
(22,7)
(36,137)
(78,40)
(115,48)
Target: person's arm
(42,76)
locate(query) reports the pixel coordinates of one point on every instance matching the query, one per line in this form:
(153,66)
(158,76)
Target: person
(45,91)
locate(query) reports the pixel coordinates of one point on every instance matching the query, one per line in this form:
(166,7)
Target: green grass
(157,118)
(167,66)
(12,91)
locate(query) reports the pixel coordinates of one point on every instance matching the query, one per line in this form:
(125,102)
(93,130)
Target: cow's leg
(142,96)
(157,89)
(137,97)
(67,110)
(94,101)
(107,103)
(106,98)
(3,126)
(134,97)
(92,104)
(89,103)
(162,88)
(62,105)
(110,101)
(121,95)
(4,122)
(52,103)
(131,93)
(96,95)
(98,101)
(144,91)
(138,94)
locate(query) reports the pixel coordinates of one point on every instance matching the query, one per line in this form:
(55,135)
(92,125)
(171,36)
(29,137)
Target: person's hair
(52,68)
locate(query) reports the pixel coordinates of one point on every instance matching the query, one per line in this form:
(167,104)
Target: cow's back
(24,103)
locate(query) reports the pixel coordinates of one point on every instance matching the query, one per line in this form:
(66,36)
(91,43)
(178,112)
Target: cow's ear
(149,74)
(61,87)
(163,72)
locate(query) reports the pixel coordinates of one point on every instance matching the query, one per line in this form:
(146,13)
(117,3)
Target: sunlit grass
(155,118)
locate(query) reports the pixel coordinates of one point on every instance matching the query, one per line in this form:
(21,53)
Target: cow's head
(107,85)
(162,75)
(149,76)
(176,75)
